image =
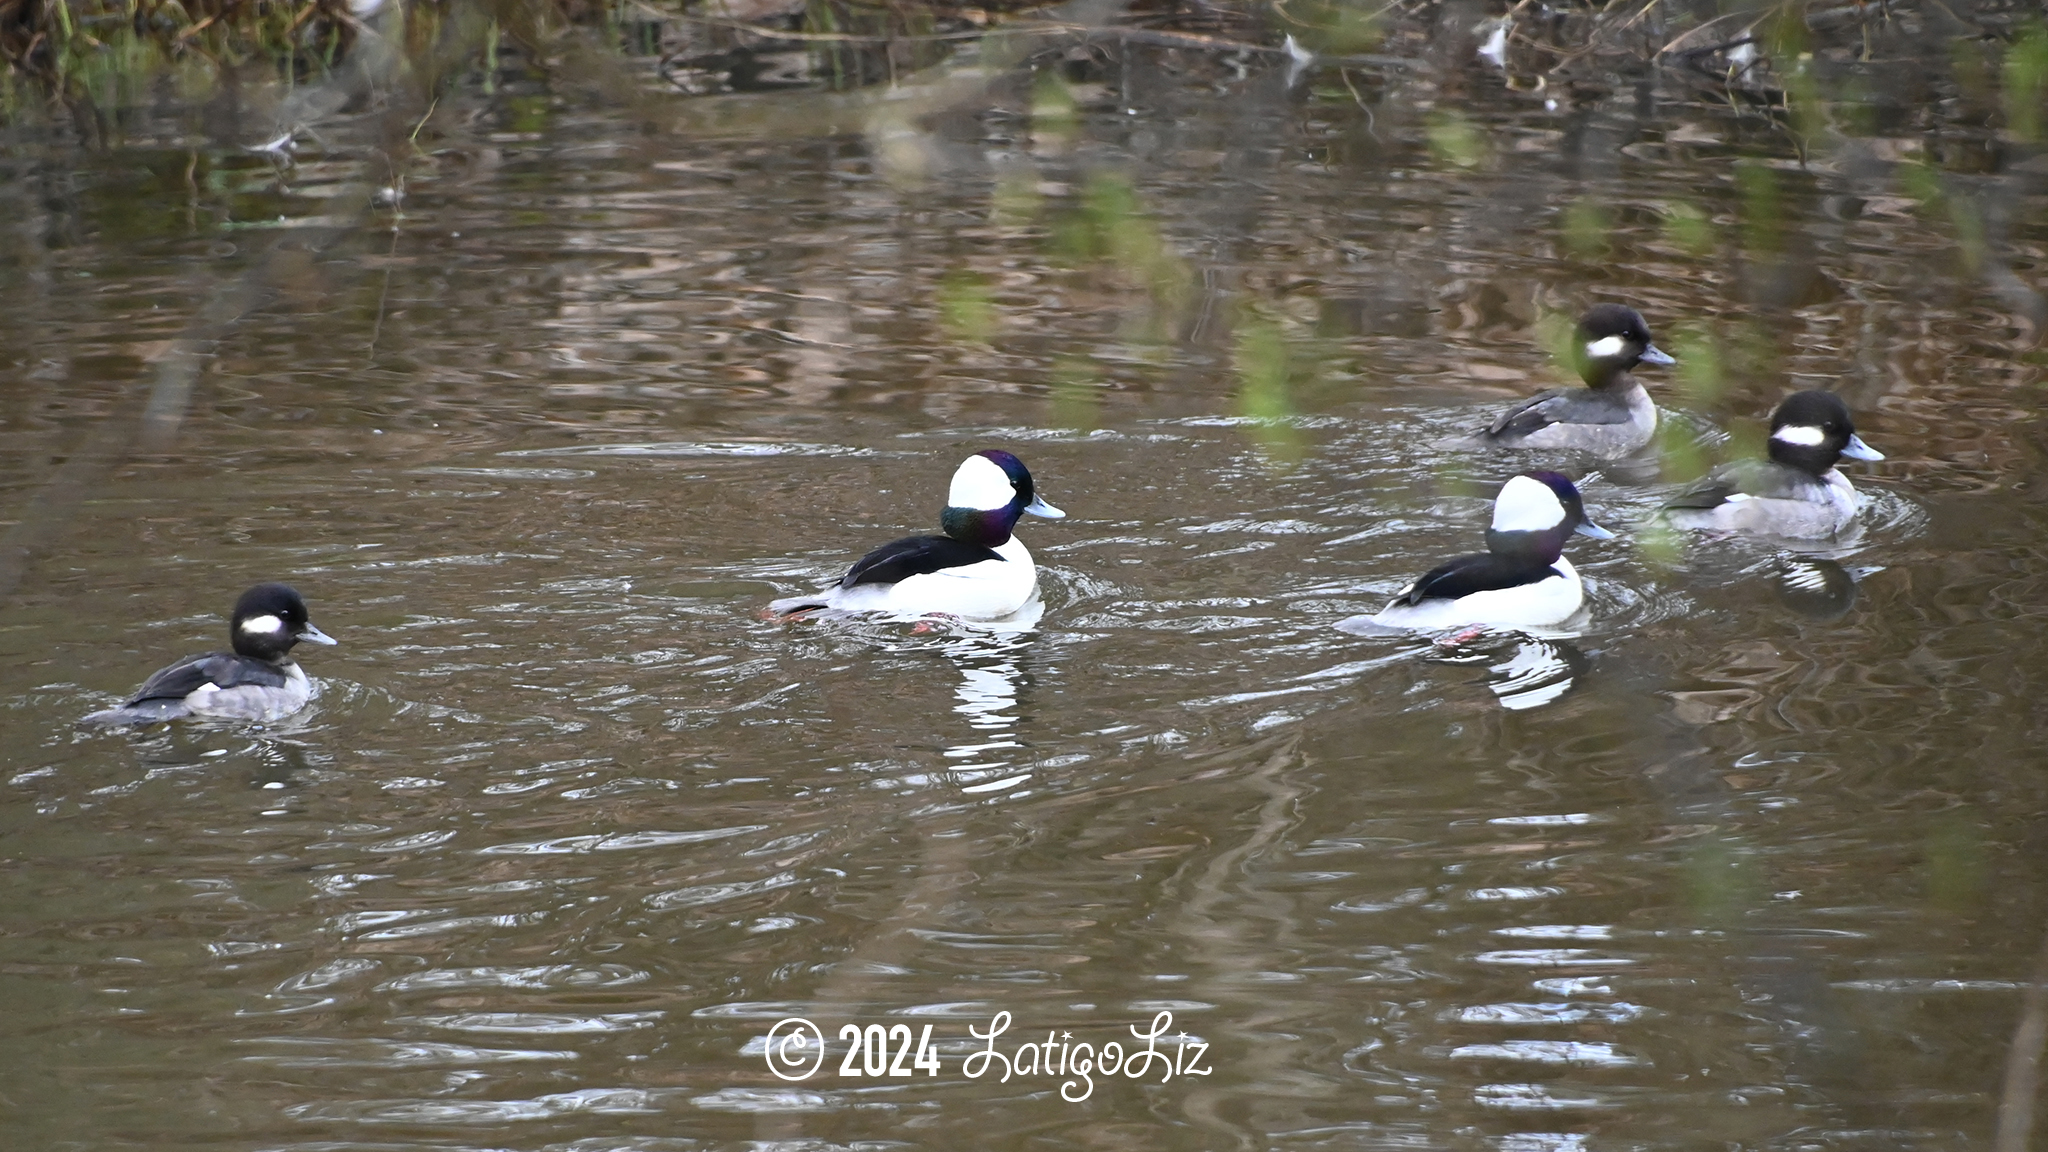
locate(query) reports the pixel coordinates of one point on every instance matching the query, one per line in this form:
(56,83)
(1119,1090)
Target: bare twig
(1345,75)
(1147,36)
(820,37)
(1280,9)
(1601,30)
(196,29)
(1690,33)
(415,137)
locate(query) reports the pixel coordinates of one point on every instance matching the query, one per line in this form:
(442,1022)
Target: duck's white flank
(254,702)
(1551,600)
(1827,509)
(989,590)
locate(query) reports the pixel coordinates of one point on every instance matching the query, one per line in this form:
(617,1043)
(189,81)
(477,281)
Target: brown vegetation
(97,50)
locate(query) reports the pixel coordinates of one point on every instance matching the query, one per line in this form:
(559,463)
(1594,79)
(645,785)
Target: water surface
(571,826)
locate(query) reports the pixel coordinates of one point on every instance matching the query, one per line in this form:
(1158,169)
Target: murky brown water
(571,828)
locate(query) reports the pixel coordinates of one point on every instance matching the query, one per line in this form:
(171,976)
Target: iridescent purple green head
(1535,512)
(990,491)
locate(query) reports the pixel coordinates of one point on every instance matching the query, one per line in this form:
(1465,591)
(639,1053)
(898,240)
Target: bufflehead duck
(977,570)
(257,681)
(1797,493)
(1522,580)
(1612,415)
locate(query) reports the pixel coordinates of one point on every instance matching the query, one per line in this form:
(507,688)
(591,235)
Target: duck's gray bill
(1654,355)
(1856,449)
(317,636)
(1588,528)
(1038,507)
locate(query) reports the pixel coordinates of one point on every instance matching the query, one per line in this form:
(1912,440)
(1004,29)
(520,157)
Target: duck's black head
(1609,340)
(1811,430)
(1534,513)
(990,491)
(268,620)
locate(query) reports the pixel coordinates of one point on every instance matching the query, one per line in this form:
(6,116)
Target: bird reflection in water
(990,659)
(1536,672)
(1816,587)
(1523,671)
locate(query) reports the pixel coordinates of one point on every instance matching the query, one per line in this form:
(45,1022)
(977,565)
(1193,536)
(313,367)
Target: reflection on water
(987,695)
(990,661)
(1743,861)
(1536,672)
(1817,587)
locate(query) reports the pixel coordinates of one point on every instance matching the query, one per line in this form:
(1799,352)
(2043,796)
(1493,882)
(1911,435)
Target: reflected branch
(2023,1063)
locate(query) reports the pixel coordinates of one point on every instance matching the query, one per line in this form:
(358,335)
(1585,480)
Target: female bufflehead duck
(1797,493)
(1522,580)
(1612,415)
(977,570)
(257,681)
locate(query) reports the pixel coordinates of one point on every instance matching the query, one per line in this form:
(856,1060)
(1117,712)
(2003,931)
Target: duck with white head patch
(1522,580)
(978,570)
(1612,415)
(1798,493)
(256,681)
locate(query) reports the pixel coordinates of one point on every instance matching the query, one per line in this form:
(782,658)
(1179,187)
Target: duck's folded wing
(220,669)
(899,560)
(1484,572)
(1706,495)
(1557,406)
(1770,480)
(1744,480)
(1524,418)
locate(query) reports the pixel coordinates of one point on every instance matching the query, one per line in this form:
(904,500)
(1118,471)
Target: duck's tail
(797,605)
(141,712)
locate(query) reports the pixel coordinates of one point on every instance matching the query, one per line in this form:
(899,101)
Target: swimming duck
(1522,580)
(256,681)
(1612,415)
(1797,493)
(977,570)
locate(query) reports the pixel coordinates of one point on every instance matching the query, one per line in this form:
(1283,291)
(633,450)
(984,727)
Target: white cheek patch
(209,686)
(981,484)
(1526,505)
(269,624)
(1804,435)
(1606,346)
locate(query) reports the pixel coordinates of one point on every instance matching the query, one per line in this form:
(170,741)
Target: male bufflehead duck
(1797,493)
(1612,415)
(977,570)
(257,681)
(1522,580)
